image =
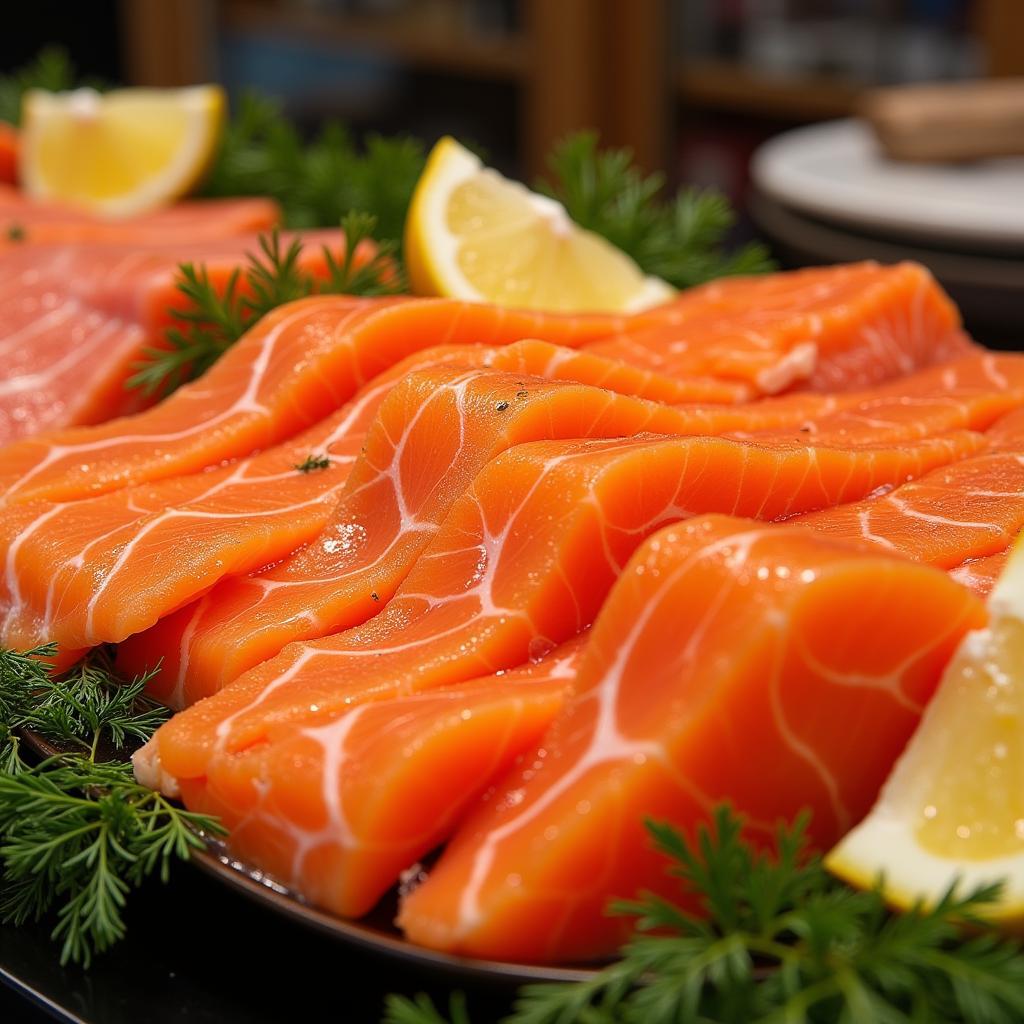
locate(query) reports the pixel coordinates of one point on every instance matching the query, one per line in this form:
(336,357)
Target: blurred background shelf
(730,86)
(690,85)
(432,37)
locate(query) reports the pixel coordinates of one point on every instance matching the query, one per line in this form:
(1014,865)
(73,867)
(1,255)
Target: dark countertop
(199,952)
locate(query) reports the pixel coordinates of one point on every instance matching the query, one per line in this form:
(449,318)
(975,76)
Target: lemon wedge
(472,234)
(953,807)
(118,153)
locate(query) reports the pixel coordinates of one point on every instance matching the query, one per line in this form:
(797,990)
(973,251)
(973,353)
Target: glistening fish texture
(770,667)
(75,321)
(831,328)
(438,429)
(523,561)
(372,791)
(296,366)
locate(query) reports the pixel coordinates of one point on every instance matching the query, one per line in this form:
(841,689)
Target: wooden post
(635,78)
(560,85)
(1001,27)
(168,42)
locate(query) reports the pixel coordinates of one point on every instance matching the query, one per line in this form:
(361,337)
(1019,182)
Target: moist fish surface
(523,562)
(436,433)
(371,792)
(825,328)
(76,320)
(294,367)
(769,667)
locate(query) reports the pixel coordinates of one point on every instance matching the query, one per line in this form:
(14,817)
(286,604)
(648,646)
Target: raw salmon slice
(74,321)
(979,575)
(435,433)
(97,571)
(339,811)
(556,362)
(74,571)
(964,511)
(437,429)
(101,569)
(522,563)
(25,221)
(772,668)
(298,364)
(832,328)
(381,524)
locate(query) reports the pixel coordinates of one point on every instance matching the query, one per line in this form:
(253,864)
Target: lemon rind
(432,250)
(206,107)
(884,845)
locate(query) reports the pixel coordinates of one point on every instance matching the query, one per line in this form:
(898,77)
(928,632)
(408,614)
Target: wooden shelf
(429,44)
(725,85)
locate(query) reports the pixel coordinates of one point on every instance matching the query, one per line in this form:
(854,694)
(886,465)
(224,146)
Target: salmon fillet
(522,563)
(772,668)
(279,379)
(431,439)
(434,434)
(964,511)
(296,366)
(371,792)
(979,575)
(25,221)
(437,429)
(825,328)
(75,572)
(75,321)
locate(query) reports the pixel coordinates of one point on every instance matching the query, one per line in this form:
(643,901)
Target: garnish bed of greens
(213,318)
(774,939)
(77,832)
(755,937)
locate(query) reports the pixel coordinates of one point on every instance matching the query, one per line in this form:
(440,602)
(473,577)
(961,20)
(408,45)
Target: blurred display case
(689,84)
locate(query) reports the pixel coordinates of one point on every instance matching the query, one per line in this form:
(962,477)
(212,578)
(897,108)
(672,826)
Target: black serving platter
(195,951)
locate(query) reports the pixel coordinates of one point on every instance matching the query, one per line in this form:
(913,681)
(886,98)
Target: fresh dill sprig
(313,462)
(778,940)
(318,182)
(681,240)
(371,269)
(420,1010)
(214,318)
(51,70)
(77,832)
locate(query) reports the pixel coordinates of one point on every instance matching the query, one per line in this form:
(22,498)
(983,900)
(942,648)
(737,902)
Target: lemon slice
(953,807)
(472,234)
(118,153)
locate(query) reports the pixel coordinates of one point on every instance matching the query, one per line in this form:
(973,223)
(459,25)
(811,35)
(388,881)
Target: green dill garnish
(15,233)
(77,832)
(779,940)
(681,240)
(316,183)
(420,1010)
(51,70)
(368,272)
(215,318)
(313,462)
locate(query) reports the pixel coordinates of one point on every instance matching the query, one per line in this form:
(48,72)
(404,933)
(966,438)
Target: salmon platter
(449,598)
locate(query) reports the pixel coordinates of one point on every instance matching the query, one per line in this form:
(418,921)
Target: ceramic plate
(837,172)
(376,932)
